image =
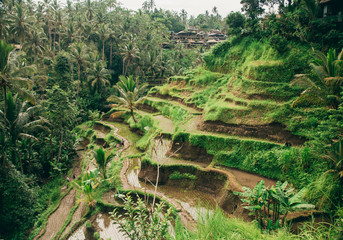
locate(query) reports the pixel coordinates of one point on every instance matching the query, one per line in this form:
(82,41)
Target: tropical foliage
(268,204)
(130,93)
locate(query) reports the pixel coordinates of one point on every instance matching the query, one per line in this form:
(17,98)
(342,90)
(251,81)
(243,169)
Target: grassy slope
(247,82)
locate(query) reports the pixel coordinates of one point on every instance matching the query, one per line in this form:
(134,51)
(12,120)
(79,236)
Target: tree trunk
(103,50)
(21,163)
(111,53)
(127,66)
(133,116)
(5,100)
(61,142)
(53,52)
(78,82)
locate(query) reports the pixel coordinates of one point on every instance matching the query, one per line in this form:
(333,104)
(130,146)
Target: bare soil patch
(147,108)
(102,128)
(273,132)
(189,152)
(248,179)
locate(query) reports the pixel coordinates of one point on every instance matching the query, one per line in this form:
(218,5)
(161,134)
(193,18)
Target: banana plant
(288,200)
(87,184)
(281,198)
(255,199)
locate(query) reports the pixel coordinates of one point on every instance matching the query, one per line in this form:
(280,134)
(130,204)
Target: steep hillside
(237,106)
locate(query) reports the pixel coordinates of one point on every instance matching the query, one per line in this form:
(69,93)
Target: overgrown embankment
(244,96)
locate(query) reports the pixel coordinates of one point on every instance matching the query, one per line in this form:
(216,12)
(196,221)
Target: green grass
(216,225)
(174,112)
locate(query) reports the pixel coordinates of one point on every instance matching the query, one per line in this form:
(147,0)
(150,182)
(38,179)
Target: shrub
(279,43)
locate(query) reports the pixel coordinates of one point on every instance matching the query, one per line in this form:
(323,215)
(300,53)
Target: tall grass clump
(216,225)
(258,59)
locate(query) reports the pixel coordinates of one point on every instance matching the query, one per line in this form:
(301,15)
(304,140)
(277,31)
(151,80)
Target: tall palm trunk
(5,100)
(60,149)
(111,52)
(133,116)
(103,50)
(78,82)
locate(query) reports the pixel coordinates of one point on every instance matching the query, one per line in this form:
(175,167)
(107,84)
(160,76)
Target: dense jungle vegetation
(268,101)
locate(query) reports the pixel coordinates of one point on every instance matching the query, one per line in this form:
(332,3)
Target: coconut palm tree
(98,76)
(18,122)
(80,55)
(34,45)
(130,93)
(13,74)
(20,23)
(129,51)
(103,35)
(3,24)
(70,35)
(112,35)
(89,10)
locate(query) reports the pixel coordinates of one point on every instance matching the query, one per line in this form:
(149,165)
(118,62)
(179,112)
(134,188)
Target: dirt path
(125,142)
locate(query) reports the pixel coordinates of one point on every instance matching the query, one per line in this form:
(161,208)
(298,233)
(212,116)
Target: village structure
(193,37)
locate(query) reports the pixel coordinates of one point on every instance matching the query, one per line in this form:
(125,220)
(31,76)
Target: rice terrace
(159,123)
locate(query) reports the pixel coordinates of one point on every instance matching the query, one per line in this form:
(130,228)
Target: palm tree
(87,185)
(34,45)
(89,10)
(103,35)
(98,76)
(20,23)
(3,24)
(47,11)
(129,51)
(112,36)
(58,28)
(13,74)
(17,123)
(70,35)
(79,54)
(130,93)
(102,160)
(328,81)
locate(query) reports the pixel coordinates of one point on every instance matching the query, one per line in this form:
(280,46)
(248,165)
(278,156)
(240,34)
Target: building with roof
(332,8)
(193,37)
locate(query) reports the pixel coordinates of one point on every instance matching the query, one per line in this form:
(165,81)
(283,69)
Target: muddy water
(102,224)
(107,228)
(196,203)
